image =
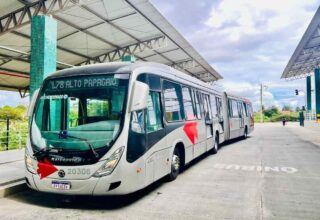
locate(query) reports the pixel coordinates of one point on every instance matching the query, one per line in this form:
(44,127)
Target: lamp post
(261,103)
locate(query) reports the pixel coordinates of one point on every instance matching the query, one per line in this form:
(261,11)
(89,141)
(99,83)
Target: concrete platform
(11,172)
(274,174)
(312,125)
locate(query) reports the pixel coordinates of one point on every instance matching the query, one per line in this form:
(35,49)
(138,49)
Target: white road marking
(276,169)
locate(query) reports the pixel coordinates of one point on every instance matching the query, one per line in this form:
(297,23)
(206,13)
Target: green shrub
(280,117)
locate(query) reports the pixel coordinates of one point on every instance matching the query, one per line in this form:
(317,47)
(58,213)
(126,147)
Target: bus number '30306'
(78,171)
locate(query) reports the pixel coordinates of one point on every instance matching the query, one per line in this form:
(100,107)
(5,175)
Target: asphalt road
(274,174)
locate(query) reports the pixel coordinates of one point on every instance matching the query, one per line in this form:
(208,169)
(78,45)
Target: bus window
(172,101)
(235,111)
(214,106)
(97,107)
(233,108)
(154,122)
(188,104)
(137,124)
(219,108)
(245,109)
(197,103)
(250,111)
(240,109)
(207,109)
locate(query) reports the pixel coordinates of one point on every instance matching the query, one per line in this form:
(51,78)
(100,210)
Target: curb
(13,188)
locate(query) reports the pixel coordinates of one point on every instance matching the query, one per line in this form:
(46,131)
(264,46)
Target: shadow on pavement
(51,200)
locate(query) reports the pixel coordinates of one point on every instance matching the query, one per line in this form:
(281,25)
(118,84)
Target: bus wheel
(245,134)
(175,165)
(215,148)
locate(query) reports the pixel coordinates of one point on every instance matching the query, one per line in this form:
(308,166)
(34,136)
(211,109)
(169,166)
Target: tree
(271,111)
(298,109)
(16,113)
(287,108)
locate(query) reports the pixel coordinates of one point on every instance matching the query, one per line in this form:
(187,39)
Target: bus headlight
(110,164)
(29,163)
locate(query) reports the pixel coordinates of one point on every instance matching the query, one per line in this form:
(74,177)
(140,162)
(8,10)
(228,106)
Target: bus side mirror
(139,96)
(32,102)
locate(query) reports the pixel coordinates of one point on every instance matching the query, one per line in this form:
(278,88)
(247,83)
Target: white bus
(116,128)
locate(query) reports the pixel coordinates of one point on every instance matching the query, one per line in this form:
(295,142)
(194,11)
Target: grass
(289,116)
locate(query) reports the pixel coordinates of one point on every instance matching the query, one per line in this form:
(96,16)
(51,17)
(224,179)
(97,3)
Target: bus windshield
(79,112)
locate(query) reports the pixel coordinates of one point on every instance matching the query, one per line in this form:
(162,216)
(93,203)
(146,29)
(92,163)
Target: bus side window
(245,109)
(154,115)
(206,107)
(230,108)
(196,98)
(240,110)
(219,108)
(188,103)
(233,108)
(214,106)
(250,111)
(137,124)
(173,101)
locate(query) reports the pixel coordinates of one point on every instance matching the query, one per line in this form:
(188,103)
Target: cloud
(247,42)
(2,97)
(12,99)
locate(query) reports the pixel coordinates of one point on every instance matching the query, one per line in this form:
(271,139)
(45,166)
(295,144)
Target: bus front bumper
(92,186)
(77,187)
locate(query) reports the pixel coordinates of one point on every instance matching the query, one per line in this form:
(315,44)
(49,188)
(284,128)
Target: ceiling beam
(131,49)
(121,30)
(59,47)
(23,15)
(14,71)
(25,57)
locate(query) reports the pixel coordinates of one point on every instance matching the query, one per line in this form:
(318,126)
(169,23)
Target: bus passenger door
(234,118)
(241,116)
(155,136)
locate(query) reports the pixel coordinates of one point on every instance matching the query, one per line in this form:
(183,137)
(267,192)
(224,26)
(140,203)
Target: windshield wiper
(64,134)
(42,151)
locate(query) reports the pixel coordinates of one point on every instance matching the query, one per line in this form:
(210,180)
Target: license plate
(61,185)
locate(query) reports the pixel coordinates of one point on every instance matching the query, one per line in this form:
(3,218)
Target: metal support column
(43,49)
(308,94)
(317,93)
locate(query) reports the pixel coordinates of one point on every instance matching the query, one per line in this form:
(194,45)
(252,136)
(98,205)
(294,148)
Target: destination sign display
(83,82)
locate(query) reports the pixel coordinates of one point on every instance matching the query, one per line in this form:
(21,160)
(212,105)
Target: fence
(13,134)
(310,115)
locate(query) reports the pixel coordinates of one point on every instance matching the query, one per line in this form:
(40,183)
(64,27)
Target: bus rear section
(239,116)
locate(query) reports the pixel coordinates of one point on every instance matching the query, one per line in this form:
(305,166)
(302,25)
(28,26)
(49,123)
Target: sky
(249,42)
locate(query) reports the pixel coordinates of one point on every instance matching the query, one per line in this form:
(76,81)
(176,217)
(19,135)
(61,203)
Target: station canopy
(94,31)
(306,57)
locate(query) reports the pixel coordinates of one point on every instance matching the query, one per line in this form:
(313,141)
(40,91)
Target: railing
(310,115)
(15,140)
(13,134)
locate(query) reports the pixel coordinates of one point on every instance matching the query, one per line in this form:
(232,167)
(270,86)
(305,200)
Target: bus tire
(175,165)
(215,148)
(245,134)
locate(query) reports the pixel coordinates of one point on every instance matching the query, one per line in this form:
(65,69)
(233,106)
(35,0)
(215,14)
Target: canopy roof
(306,57)
(94,31)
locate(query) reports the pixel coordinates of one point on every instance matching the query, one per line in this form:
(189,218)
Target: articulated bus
(116,128)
